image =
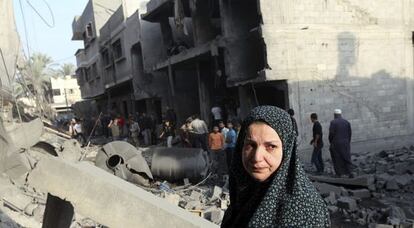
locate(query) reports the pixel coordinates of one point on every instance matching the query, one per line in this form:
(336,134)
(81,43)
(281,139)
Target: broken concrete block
(325,189)
(392,185)
(331,199)
(29,210)
(16,202)
(344,192)
(383,226)
(193,205)
(82,184)
(26,135)
(224,204)
(361,193)
(403,180)
(217,191)
(332,209)
(196,195)
(347,203)
(71,150)
(172,198)
(215,215)
(363,181)
(186,181)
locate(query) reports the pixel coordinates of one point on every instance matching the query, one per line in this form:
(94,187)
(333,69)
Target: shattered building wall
(348,54)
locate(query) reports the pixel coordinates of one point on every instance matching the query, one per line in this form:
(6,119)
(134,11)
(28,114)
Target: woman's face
(262,151)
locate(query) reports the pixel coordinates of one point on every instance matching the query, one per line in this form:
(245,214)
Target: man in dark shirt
(317,144)
(295,125)
(340,144)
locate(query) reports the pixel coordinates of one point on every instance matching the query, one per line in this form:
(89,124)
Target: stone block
(347,203)
(392,185)
(363,181)
(172,198)
(331,199)
(217,191)
(195,195)
(17,201)
(223,204)
(361,193)
(403,180)
(214,215)
(193,205)
(332,209)
(325,189)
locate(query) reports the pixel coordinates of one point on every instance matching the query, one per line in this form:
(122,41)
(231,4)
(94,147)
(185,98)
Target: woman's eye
(271,147)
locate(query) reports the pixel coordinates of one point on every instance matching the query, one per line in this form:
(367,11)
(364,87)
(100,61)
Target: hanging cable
(41,17)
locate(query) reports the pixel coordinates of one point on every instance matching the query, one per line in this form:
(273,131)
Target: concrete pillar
(204,81)
(202,28)
(167,35)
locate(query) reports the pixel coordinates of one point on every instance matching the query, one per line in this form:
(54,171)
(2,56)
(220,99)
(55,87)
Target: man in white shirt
(78,133)
(217,115)
(200,130)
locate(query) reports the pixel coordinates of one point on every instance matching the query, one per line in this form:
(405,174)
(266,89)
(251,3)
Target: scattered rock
(347,203)
(361,193)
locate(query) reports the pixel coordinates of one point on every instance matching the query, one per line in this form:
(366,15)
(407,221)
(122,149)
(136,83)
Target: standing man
(134,131)
(217,114)
(295,125)
(216,146)
(146,129)
(200,131)
(340,144)
(231,139)
(317,144)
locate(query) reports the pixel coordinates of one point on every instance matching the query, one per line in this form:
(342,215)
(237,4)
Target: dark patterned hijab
(287,198)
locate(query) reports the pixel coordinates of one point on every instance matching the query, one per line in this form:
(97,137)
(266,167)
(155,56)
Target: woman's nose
(258,155)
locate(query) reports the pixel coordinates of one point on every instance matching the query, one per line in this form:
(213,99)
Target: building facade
(65,93)
(312,56)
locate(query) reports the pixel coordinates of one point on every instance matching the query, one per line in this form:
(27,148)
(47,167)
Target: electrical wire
(41,17)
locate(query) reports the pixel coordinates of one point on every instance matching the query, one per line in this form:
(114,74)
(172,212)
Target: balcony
(80,58)
(190,56)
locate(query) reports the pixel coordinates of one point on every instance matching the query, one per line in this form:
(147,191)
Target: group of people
(340,134)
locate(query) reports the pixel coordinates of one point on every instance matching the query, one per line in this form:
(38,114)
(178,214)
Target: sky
(55,41)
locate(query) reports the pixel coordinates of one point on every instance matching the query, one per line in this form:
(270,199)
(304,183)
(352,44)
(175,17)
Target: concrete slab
(25,135)
(363,181)
(106,198)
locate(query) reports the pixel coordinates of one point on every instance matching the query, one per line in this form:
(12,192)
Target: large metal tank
(175,164)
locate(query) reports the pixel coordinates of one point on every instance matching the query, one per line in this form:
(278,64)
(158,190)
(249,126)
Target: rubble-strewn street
(380,194)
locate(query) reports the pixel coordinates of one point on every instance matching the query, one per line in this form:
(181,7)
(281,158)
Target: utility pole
(66,99)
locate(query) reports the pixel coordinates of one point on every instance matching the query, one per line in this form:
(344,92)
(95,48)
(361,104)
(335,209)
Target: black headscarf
(285,199)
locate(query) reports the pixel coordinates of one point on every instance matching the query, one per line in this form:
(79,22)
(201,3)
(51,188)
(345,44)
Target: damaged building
(312,56)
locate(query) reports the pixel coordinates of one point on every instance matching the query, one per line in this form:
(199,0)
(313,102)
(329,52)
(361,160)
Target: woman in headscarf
(268,186)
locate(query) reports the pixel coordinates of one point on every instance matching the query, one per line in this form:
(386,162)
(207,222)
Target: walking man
(340,144)
(317,144)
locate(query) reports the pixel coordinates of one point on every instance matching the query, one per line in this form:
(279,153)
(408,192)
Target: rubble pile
(203,199)
(24,206)
(382,194)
